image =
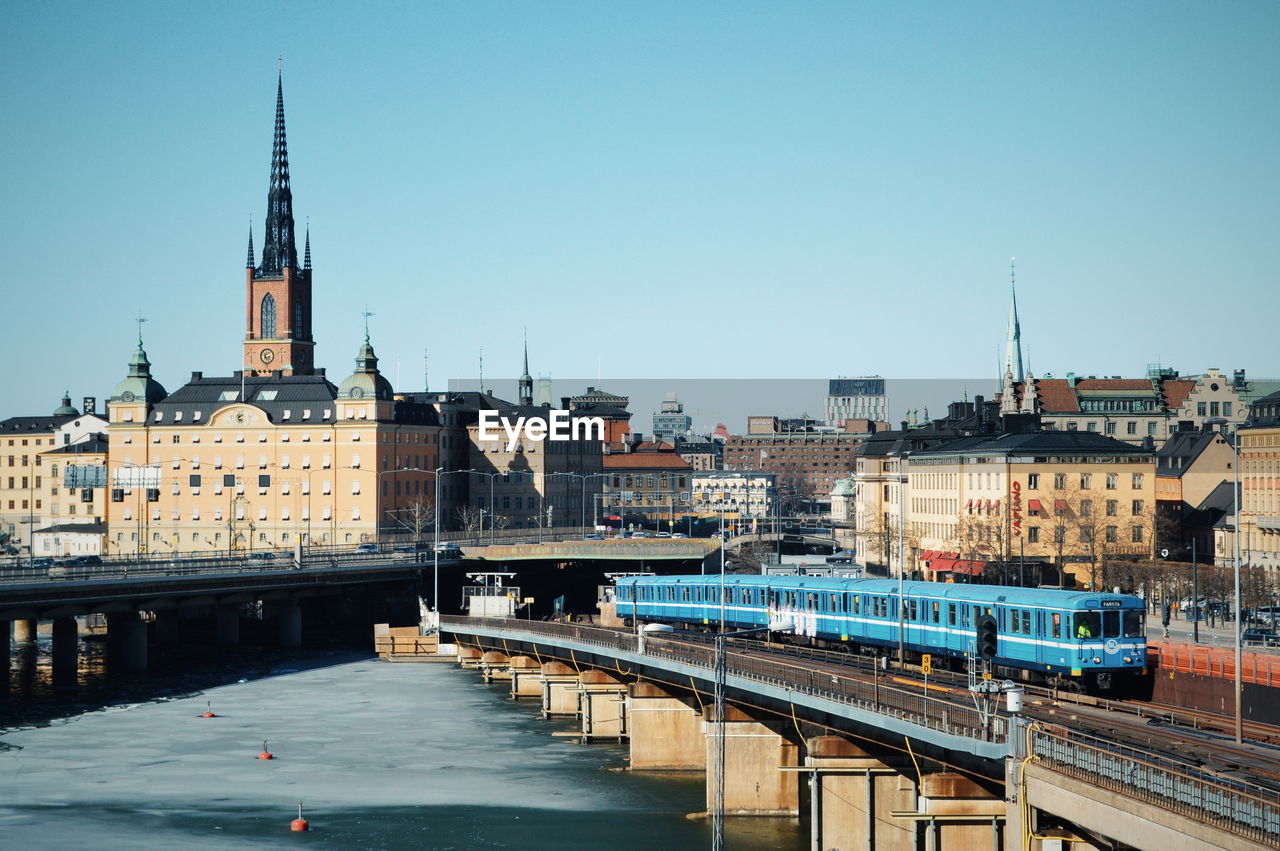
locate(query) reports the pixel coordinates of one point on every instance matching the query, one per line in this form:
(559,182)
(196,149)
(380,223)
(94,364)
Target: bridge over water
(873,759)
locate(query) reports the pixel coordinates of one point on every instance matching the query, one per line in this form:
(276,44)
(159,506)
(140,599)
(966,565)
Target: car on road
(367,548)
(42,563)
(448,547)
(592,538)
(262,556)
(679,535)
(1263,637)
(662,535)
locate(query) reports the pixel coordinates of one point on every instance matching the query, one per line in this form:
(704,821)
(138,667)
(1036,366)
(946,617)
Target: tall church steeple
(526,380)
(1013,345)
(278,291)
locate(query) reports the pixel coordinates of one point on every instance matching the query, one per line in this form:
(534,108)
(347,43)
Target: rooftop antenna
(482,370)
(426,372)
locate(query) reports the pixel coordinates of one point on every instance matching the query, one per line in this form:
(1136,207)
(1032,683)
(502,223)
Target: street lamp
(1235,537)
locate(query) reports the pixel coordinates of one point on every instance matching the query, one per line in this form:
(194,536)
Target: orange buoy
(266,754)
(299,824)
(208,713)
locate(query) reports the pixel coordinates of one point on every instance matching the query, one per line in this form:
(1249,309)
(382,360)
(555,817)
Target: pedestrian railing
(876,693)
(1236,806)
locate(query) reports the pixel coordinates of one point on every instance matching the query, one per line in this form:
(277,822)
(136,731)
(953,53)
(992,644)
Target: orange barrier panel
(1258,668)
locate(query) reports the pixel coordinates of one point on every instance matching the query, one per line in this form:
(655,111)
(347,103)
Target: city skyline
(430,211)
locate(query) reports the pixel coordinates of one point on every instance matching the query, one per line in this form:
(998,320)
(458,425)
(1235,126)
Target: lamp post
(1235,538)
(902,563)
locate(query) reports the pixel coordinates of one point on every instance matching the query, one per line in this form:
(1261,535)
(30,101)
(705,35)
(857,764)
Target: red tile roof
(1113,384)
(1176,392)
(1056,396)
(645,461)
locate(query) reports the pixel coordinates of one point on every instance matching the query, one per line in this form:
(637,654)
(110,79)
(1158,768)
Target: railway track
(1190,736)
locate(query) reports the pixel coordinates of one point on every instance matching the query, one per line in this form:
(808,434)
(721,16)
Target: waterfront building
(734,492)
(648,479)
(1259,520)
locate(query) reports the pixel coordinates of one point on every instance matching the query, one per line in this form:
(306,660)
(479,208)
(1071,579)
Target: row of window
(1060,481)
(1137,534)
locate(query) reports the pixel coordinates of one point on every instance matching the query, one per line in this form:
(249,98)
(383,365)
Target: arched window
(267,326)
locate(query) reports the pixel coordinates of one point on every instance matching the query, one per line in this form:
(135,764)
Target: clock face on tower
(267,355)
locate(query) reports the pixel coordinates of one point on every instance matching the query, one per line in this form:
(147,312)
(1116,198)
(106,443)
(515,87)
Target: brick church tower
(277,334)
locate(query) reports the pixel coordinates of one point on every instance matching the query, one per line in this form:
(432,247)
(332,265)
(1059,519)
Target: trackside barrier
(878,695)
(1259,668)
(1238,807)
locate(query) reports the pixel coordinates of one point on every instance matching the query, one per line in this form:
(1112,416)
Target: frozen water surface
(382,755)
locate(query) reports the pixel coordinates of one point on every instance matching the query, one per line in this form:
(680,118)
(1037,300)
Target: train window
(1026,621)
(934,612)
(1057,624)
(912,605)
(1000,619)
(857,604)
(964,615)
(1088,625)
(1133,624)
(951,614)
(835,603)
(811,602)
(1013,620)
(1111,624)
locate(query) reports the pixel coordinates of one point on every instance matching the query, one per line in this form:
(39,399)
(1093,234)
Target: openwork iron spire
(279,250)
(306,254)
(250,263)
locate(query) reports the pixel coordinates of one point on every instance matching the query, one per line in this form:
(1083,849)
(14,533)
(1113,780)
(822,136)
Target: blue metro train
(1087,640)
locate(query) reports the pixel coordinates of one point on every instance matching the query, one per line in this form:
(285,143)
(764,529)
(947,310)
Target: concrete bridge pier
(126,641)
(853,797)
(469,657)
(227,625)
(24,629)
(603,701)
(168,626)
(66,647)
(560,684)
(755,751)
(526,677)
(289,624)
(665,730)
(495,666)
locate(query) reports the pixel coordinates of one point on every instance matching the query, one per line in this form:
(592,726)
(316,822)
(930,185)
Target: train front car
(1108,632)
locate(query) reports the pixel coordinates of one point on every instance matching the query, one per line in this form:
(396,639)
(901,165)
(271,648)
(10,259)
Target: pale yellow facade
(1259,499)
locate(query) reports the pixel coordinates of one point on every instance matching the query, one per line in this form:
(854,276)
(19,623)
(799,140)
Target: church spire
(279,249)
(1013,345)
(526,380)
(306,254)
(250,263)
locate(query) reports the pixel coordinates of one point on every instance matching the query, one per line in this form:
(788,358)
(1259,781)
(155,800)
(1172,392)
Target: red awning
(972,568)
(928,554)
(1060,505)
(943,565)
(1034,505)
(968,505)
(949,555)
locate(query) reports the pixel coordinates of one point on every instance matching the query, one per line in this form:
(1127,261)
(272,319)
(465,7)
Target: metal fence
(874,692)
(1236,806)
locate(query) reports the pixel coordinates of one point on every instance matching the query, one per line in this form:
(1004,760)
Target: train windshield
(1133,625)
(1088,625)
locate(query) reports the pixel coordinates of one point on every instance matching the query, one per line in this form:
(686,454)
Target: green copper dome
(65,409)
(139,386)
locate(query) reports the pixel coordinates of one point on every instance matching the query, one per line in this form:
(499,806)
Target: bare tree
(418,517)
(469,519)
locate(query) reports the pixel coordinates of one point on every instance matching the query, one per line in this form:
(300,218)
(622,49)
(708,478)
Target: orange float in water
(299,824)
(266,754)
(208,713)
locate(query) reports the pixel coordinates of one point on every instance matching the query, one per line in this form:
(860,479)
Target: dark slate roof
(1186,445)
(274,394)
(1265,413)
(1038,443)
(97,444)
(82,528)
(48,422)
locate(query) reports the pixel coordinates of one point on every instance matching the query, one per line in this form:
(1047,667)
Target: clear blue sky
(654,189)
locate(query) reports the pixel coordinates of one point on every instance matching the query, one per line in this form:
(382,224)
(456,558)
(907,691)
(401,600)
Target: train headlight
(1128,659)
(1097,660)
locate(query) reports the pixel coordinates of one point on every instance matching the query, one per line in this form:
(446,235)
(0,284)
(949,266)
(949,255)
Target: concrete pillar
(526,677)
(168,626)
(754,753)
(603,699)
(666,731)
(495,666)
(66,647)
(951,802)
(290,624)
(25,629)
(133,646)
(227,625)
(469,657)
(854,796)
(559,690)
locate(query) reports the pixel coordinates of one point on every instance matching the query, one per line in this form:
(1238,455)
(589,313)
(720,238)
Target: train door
(1111,635)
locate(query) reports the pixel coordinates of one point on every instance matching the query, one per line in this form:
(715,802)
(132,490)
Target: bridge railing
(878,694)
(1239,807)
